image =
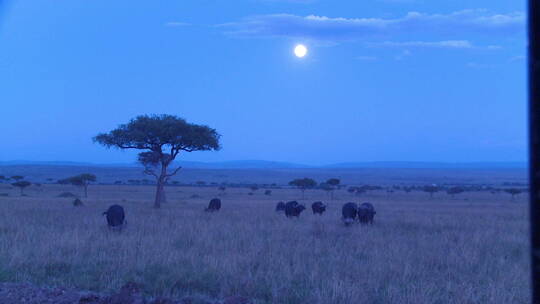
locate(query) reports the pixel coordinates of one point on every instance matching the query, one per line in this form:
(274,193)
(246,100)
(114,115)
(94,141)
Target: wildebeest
(366,212)
(280,207)
(293,208)
(214,205)
(115,216)
(318,208)
(348,212)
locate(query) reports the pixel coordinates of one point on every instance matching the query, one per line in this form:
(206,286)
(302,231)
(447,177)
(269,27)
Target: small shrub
(77,203)
(66,194)
(195,196)
(268,192)
(4,194)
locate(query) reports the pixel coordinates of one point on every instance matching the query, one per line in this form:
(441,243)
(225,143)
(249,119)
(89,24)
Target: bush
(77,203)
(66,194)
(4,194)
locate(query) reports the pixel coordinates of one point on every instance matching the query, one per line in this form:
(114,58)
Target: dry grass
(419,251)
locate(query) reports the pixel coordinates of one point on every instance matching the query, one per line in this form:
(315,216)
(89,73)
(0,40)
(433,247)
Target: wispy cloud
(447,44)
(367,58)
(450,44)
(322,28)
(517,58)
(174,23)
(475,65)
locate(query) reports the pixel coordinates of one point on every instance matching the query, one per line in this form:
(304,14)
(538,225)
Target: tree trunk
(160,193)
(85,191)
(22,192)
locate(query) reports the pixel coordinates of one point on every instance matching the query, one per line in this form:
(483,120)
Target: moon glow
(300,50)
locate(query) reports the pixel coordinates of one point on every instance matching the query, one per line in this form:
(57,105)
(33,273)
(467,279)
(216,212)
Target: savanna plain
(470,248)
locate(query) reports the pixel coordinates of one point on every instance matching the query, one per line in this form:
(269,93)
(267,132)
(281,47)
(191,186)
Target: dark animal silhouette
(349,212)
(280,207)
(318,208)
(366,212)
(293,209)
(214,205)
(115,216)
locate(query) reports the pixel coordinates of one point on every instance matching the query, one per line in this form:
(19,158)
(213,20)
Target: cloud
(322,28)
(446,44)
(173,23)
(517,58)
(450,44)
(474,65)
(404,54)
(367,58)
(289,1)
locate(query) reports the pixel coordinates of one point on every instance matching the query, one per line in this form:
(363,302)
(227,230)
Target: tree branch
(173,173)
(149,171)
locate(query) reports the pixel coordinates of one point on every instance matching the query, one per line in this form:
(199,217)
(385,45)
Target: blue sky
(384,80)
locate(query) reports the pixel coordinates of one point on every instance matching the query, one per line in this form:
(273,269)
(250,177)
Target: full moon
(300,51)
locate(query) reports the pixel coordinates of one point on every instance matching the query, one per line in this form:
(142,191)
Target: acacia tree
(163,137)
(455,190)
(334,183)
(303,184)
(326,187)
(431,189)
(513,191)
(21,185)
(81,180)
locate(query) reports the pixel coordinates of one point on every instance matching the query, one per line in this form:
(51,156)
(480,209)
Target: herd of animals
(351,212)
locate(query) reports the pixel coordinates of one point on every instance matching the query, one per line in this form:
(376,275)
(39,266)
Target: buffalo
(115,216)
(214,205)
(280,207)
(318,208)
(293,209)
(366,212)
(349,212)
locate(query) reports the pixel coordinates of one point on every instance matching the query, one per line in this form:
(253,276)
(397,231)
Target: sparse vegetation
(513,191)
(21,185)
(78,203)
(431,189)
(81,180)
(303,184)
(66,194)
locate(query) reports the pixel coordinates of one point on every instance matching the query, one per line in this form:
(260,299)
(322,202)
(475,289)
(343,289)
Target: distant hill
(263,164)
(431,165)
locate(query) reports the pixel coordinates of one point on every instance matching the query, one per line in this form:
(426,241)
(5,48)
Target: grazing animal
(280,207)
(318,208)
(293,209)
(349,212)
(214,205)
(115,216)
(366,212)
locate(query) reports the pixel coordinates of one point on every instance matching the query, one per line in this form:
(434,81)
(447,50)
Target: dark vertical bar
(534,143)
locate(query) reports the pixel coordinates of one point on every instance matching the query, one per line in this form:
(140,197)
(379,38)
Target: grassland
(472,249)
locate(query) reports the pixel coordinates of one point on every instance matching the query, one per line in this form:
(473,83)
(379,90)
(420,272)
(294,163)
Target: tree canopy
(162,138)
(21,184)
(81,180)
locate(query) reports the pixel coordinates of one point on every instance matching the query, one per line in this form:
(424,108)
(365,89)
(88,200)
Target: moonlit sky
(395,80)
